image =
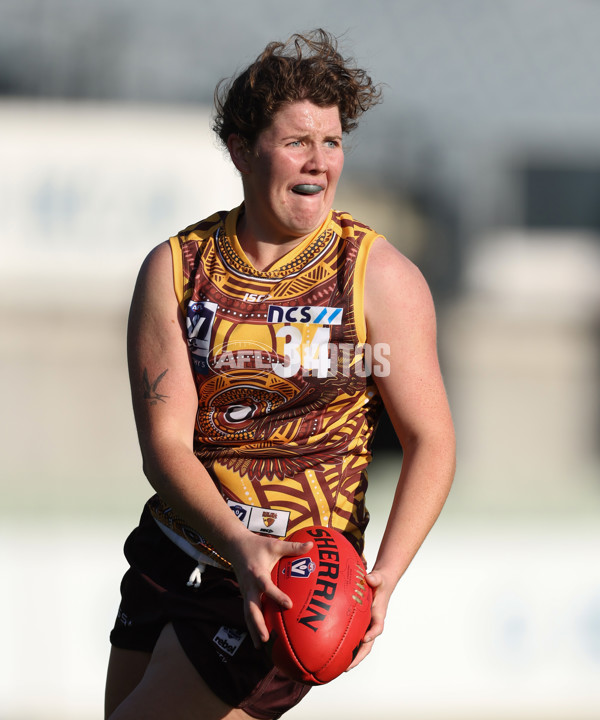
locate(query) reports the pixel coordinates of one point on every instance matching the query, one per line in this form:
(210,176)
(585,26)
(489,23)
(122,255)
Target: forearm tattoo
(151,388)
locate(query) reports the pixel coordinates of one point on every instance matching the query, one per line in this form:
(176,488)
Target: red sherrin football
(316,639)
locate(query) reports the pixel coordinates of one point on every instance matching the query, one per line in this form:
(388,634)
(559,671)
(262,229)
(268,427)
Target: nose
(316,162)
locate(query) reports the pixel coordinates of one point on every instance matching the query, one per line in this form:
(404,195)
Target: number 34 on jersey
(309,353)
(306,338)
(302,337)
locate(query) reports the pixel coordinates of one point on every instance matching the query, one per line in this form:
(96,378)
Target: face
(291,174)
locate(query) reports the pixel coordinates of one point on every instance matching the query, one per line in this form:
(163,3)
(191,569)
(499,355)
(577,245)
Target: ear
(239,153)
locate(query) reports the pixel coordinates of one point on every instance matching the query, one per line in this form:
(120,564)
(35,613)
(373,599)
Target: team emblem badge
(269,518)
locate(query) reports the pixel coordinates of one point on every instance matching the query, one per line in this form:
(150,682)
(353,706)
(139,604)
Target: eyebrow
(302,135)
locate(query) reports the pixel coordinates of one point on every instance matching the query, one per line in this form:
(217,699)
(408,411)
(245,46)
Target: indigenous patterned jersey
(287,405)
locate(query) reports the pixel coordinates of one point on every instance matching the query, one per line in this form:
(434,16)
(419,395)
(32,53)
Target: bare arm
(400,312)
(165,404)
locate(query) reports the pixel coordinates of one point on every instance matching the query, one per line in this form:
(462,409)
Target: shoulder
(158,261)
(389,270)
(198,231)
(395,289)
(154,287)
(350,228)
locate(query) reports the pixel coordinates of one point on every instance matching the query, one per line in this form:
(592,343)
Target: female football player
(261,343)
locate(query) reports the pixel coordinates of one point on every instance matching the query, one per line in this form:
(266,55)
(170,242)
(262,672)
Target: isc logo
(302,567)
(308,314)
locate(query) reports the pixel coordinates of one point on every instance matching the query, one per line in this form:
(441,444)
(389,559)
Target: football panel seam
(293,652)
(340,642)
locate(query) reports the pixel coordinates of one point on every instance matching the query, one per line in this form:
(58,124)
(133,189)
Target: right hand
(252,561)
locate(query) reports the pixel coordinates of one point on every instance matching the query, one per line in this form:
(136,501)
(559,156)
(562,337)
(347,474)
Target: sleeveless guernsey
(287,406)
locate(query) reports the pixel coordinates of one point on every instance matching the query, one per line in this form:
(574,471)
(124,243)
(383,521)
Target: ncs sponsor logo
(306,314)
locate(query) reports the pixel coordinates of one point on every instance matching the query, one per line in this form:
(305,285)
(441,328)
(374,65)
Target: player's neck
(262,248)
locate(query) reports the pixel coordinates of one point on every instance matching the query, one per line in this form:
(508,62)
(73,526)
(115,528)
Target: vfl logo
(302,567)
(239,511)
(269,518)
(199,322)
(306,314)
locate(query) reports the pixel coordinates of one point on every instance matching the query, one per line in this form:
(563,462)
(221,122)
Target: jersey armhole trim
(359,286)
(177,270)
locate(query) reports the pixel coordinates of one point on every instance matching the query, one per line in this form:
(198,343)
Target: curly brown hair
(305,67)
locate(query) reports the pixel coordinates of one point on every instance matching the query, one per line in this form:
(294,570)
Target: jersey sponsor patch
(305,314)
(199,322)
(264,521)
(229,639)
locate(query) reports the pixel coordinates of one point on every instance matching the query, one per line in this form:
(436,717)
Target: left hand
(382,591)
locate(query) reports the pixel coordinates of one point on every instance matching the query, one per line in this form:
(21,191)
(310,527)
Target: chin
(309,223)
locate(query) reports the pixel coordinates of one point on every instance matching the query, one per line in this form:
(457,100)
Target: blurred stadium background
(482,164)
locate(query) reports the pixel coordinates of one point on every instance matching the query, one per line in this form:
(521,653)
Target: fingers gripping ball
(317,639)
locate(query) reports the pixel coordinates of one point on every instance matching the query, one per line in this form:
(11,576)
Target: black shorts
(162,586)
